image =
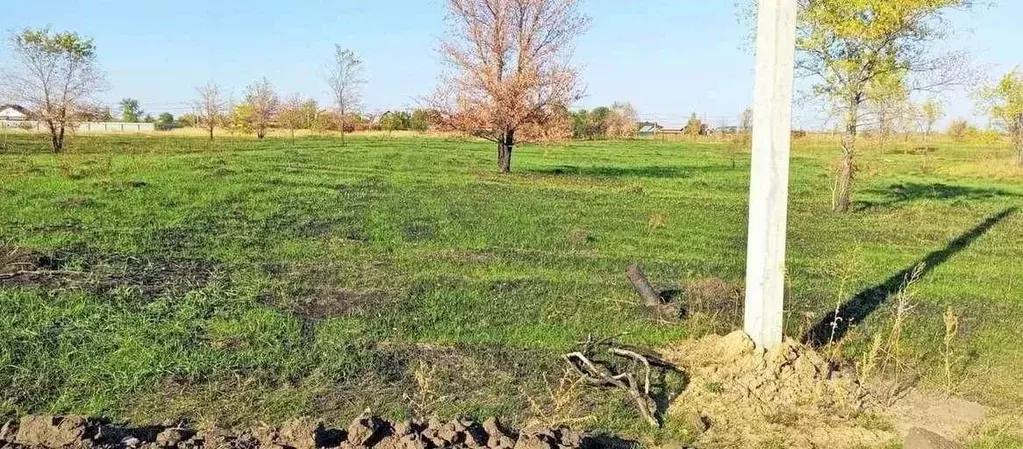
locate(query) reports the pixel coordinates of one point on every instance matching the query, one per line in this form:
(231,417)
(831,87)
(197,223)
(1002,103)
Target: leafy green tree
(56,75)
(1004,102)
(850,45)
(423,119)
(396,121)
(581,124)
(598,122)
(310,111)
(188,120)
(241,118)
(165,121)
(131,112)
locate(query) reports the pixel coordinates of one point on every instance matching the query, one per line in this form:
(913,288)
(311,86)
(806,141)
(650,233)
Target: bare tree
(907,119)
(345,81)
(262,105)
(57,76)
(295,113)
(508,67)
(931,112)
(209,108)
(746,121)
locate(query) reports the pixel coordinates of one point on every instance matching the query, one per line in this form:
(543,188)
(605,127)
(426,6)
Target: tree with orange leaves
(509,68)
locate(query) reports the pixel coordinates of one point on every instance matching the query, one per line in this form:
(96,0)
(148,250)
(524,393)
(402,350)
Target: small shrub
(958,130)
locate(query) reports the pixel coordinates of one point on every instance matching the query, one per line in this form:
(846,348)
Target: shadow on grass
(647,171)
(835,325)
(909,192)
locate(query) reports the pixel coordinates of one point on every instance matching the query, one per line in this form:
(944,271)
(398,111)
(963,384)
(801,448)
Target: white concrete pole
(769,176)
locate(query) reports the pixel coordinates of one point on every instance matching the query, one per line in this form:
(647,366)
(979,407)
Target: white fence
(86,127)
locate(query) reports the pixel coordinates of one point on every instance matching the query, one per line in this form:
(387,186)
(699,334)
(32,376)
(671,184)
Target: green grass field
(262,280)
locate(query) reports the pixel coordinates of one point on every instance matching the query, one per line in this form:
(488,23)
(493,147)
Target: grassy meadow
(263,280)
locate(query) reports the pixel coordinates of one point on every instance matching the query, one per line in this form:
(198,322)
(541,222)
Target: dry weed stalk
(868,364)
(833,347)
(424,397)
(656,221)
(560,406)
(885,357)
(951,331)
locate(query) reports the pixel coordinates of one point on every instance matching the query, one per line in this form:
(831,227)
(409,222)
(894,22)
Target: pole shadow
(835,325)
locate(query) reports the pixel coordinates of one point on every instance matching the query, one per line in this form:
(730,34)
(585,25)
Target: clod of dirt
(54,432)
(948,417)
(171,437)
(789,397)
(364,429)
(300,433)
(925,439)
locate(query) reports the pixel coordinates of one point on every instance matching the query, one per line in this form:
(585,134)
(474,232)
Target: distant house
(647,129)
(13,112)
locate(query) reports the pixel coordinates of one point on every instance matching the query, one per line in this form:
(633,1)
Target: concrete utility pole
(769,177)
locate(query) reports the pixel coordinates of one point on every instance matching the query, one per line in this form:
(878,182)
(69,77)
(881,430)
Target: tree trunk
(56,137)
(211,133)
(341,126)
(1017,138)
(843,191)
(642,286)
(54,143)
(504,151)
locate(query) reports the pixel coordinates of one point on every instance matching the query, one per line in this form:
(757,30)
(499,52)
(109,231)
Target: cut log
(643,287)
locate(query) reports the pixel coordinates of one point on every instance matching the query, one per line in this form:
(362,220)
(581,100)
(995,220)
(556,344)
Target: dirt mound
(787,397)
(76,432)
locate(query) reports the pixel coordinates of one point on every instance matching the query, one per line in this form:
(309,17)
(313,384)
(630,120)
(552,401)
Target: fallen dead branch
(606,373)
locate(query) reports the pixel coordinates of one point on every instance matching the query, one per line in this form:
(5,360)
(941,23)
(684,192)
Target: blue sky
(670,58)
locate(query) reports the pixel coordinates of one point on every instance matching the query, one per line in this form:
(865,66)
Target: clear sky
(670,58)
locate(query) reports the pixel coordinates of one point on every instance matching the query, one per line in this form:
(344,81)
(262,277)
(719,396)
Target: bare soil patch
(102,273)
(45,431)
(315,291)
